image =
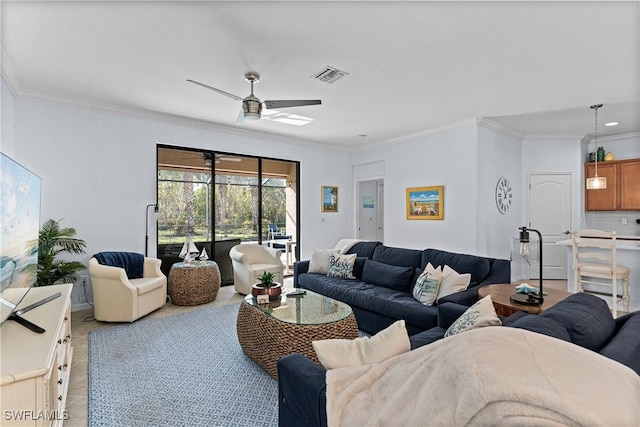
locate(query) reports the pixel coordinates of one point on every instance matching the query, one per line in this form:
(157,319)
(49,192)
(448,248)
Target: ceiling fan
(252,106)
(217,158)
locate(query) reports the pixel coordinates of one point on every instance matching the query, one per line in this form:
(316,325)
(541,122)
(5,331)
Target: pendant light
(596,182)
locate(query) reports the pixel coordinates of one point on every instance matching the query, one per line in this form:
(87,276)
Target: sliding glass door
(221,199)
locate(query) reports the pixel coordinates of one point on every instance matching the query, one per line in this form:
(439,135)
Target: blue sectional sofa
(385,276)
(582,319)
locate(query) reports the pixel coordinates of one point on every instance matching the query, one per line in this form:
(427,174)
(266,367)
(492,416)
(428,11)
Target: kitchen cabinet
(623,186)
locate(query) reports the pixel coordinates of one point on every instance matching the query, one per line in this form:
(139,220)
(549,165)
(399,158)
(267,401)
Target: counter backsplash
(612,221)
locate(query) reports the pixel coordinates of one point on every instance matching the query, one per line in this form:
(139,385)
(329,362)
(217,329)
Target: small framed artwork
(329,200)
(367,202)
(425,202)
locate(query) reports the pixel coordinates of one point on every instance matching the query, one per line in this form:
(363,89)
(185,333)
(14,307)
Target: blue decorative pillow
(133,263)
(388,276)
(341,266)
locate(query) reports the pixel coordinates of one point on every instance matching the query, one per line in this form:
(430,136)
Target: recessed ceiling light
(612,124)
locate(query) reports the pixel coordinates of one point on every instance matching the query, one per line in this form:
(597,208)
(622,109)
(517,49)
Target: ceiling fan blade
(240,119)
(291,103)
(221,92)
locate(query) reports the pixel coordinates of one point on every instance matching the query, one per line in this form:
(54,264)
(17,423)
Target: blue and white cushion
(479,315)
(341,266)
(427,285)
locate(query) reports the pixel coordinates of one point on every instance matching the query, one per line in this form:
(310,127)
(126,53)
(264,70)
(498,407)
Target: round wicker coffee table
(267,332)
(193,283)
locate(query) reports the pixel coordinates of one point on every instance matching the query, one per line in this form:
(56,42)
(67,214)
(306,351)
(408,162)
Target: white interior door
(380,212)
(550,213)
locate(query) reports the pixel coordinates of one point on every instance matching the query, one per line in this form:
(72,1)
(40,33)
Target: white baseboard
(81,307)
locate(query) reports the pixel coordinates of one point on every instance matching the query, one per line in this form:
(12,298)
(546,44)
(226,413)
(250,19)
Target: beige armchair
(117,298)
(250,261)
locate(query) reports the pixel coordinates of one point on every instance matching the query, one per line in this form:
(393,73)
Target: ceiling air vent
(329,75)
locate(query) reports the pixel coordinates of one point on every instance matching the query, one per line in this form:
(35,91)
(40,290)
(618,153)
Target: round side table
(193,283)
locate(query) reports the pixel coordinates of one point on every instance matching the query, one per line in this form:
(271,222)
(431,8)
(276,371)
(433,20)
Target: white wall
(467,161)
(557,155)
(7,120)
(498,156)
(98,171)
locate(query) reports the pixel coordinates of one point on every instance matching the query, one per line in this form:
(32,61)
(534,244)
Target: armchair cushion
(133,263)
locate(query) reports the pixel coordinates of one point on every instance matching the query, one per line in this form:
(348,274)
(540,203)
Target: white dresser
(35,367)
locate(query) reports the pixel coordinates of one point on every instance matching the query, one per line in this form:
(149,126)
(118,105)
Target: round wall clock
(504,195)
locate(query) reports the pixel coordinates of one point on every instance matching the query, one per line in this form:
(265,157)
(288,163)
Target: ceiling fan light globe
(251,108)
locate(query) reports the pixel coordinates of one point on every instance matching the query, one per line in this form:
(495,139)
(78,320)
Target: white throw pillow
(452,282)
(479,315)
(342,353)
(319,262)
(427,285)
(341,266)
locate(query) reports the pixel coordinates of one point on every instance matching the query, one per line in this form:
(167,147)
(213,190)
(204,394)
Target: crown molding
(500,128)
(589,138)
(165,118)
(412,137)
(560,136)
(9,74)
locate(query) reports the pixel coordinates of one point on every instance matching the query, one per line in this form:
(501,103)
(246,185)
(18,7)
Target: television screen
(20,210)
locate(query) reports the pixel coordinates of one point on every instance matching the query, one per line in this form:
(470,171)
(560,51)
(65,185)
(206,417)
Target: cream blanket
(487,376)
(345,244)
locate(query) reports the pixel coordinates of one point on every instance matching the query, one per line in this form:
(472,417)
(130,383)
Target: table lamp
(523,252)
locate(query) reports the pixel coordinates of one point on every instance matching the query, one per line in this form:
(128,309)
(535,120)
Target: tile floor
(82,322)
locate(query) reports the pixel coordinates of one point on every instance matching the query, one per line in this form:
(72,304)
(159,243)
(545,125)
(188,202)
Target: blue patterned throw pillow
(479,315)
(341,266)
(427,285)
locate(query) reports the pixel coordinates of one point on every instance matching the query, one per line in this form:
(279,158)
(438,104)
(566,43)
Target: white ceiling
(534,67)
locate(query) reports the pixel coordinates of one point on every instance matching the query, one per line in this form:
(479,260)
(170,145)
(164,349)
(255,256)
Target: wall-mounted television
(20,226)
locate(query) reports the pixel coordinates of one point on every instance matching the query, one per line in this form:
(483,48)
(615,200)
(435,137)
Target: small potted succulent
(266,286)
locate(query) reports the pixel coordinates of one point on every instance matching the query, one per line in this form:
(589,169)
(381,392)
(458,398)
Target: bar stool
(601,246)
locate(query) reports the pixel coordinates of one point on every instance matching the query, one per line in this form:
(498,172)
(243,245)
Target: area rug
(180,370)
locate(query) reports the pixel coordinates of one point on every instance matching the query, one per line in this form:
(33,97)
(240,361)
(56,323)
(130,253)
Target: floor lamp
(146,228)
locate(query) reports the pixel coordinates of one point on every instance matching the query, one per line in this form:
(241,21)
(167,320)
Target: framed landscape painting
(329,198)
(425,202)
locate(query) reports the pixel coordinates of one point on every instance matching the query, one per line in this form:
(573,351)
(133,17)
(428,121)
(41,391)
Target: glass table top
(308,309)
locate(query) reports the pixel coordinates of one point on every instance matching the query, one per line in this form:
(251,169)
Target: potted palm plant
(54,240)
(267,286)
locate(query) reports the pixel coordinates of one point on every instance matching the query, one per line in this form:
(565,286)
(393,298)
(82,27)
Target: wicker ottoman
(267,332)
(193,283)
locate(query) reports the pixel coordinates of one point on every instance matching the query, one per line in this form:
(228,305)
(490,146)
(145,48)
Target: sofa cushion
(452,282)
(587,319)
(341,266)
(133,263)
(462,263)
(389,276)
(398,256)
(427,285)
(542,325)
(342,353)
(378,299)
(364,249)
(624,347)
(479,315)
(319,262)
